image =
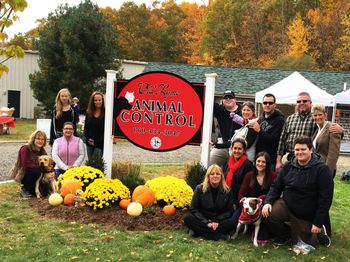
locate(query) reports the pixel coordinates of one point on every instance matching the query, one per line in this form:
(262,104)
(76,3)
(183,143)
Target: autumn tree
(137,34)
(76,45)
(342,54)
(325,30)
(8,14)
(192,32)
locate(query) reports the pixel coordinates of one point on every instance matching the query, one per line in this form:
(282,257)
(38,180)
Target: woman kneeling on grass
(211,207)
(28,162)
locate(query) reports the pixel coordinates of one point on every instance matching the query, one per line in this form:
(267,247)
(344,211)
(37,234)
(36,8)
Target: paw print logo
(155,142)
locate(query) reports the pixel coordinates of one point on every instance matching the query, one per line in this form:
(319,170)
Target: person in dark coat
(269,128)
(211,207)
(229,117)
(236,169)
(306,185)
(94,126)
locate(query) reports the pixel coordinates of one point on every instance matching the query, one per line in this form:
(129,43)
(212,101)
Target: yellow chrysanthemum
(104,192)
(85,174)
(171,190)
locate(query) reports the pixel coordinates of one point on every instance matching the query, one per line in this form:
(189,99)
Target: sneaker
(225,237)
(25,194)
(282,241)
(192,233)
(323,238)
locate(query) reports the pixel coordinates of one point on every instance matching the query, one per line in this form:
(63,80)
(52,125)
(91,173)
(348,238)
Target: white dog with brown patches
(251,214)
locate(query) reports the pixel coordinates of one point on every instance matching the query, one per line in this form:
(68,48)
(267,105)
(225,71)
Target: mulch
(152,218)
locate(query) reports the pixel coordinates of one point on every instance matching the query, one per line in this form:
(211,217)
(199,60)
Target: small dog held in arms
(45,184)
(251,215)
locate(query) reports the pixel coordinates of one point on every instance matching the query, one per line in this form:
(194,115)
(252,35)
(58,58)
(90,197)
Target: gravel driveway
(127,151)
(122,151)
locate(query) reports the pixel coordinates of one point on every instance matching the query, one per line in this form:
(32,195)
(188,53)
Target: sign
(158,111)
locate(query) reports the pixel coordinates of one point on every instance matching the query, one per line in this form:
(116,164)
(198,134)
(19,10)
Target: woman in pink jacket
(67,151)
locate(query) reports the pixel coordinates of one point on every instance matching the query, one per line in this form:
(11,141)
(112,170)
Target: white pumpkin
(55,199)
(134,209)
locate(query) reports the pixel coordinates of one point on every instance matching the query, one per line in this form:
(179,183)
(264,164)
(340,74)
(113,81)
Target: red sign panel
(158,111)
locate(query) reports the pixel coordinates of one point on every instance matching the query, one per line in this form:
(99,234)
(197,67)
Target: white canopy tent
(287,89)
(343,97)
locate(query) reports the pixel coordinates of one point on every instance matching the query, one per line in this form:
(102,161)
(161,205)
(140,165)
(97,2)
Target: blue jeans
(58,172)
(93,150)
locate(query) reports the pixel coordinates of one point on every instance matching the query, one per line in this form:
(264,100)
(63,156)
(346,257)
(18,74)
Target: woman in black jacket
(95,125)
(211,207)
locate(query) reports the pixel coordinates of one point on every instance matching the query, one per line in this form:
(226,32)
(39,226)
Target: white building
(15,88)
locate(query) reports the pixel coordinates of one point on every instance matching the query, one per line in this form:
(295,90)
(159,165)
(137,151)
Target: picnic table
(6,122)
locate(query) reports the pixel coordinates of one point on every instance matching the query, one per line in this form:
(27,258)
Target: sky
(37,9)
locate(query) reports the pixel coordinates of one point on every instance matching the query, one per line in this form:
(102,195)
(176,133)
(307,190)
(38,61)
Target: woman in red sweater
(258,181)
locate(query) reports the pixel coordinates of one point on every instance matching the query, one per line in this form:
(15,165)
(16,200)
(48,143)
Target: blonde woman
(62,112)
(211,207)
(325,143)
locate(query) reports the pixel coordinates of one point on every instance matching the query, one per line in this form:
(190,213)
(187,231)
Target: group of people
(68,149)
(296,194)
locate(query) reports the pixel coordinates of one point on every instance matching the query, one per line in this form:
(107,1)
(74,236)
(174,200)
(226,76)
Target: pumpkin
(55,199)
(70,187)
(144,195)
(169,210)
(124,203)
(134,209)
(69,200)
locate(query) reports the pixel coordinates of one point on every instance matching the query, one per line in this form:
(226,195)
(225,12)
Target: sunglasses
(268,103)
(228,97)
(304,101)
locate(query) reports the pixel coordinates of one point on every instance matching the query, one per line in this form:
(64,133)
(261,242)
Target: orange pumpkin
(144,195)
(70,187)
(124,203)
(169,210)
(69,200)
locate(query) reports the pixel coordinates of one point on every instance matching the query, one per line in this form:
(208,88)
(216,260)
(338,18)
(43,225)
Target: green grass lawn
(26,236)
(24,128)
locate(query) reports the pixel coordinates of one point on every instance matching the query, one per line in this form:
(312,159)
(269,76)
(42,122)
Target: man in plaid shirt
(298,124)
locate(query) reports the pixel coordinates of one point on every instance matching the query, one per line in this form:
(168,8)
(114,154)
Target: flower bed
(169,189)
(103,192)
(85,174)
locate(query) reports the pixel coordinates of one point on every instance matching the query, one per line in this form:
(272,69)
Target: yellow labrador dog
(45,184)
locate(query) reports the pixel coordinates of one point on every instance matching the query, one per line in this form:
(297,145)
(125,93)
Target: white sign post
(208,117)
(108,138)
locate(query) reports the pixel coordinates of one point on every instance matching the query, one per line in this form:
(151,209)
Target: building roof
(250,80)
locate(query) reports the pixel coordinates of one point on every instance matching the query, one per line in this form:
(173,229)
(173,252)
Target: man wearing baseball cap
(228,115)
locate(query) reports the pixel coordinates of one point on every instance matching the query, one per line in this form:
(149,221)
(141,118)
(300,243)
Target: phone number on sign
(154,131)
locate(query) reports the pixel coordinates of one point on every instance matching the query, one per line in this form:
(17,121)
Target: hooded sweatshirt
(269,136)
(307,190)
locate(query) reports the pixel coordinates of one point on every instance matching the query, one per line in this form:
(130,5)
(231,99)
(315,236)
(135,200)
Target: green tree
(8,14)
(76,45)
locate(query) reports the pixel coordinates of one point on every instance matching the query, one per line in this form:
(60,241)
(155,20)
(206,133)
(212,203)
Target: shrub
(97,162)
(171,190)
(105,192)
(85,174)
(128,174)
(195,174)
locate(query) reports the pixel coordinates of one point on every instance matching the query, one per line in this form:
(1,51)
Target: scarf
(233,166)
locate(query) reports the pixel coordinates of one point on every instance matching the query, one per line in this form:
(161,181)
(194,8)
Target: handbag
(242,133)
(17,172)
